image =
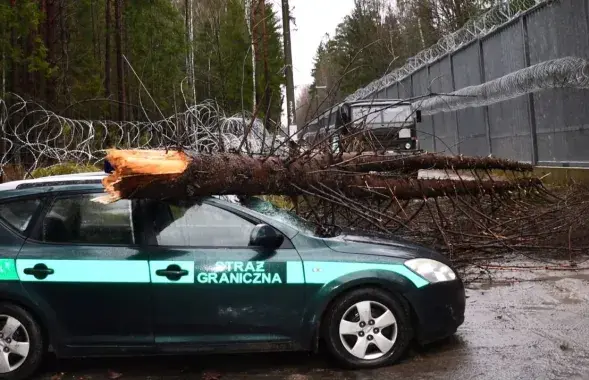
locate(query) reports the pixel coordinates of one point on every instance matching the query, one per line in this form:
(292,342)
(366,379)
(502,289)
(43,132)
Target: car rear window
(79,220)
(18,214)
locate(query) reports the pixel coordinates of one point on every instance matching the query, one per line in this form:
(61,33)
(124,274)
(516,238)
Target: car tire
(32,333)
(346,309)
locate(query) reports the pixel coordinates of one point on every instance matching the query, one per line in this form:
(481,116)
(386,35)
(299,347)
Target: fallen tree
(373,162)
(158,174)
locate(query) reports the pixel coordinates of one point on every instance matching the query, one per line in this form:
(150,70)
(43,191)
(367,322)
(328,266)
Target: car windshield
(283,216)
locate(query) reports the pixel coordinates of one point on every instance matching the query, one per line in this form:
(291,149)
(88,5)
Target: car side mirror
(265,237)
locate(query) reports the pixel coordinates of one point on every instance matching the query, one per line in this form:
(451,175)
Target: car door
(83,265)
(210,286)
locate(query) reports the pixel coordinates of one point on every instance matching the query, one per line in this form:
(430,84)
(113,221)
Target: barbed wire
(474,29)
(29,130)
(568,72)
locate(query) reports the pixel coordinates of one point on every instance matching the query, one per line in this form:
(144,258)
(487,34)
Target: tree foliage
(67,54)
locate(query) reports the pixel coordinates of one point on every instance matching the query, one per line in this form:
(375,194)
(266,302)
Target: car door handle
(168,272)
(173,272)
(40,271)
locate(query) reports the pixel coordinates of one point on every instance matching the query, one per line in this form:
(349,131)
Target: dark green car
(81,278)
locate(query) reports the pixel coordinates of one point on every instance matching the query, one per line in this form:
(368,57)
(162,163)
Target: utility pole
(290,101)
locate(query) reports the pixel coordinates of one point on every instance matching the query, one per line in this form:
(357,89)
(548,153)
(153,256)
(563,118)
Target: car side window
(18,214)
(200,225)
(79,220)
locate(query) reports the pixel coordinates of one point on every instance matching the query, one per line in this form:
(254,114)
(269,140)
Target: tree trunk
(50,15)
(189,26)
(159,175)
(107,63)
(119,54)
(126,71)
(290,99)
(267,89)
(250,19)
(64,37)
(95,45)
(14,71)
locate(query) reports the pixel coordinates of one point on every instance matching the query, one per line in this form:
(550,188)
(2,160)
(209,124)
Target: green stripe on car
(105,271)
(322,272)
(143,271)
(8,270)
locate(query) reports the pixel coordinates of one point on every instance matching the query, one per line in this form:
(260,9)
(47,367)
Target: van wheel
(367,328)
(21,343)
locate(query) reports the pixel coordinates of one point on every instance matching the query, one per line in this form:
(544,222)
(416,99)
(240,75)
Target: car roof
(92,182)
(78,181)
(65,179)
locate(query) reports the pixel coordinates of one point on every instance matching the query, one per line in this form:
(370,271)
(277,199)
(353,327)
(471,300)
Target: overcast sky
(313,20)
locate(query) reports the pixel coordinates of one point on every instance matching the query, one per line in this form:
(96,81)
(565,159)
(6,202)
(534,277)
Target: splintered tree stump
(157,174)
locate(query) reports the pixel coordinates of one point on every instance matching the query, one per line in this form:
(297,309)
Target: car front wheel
(367,328)
(21,343)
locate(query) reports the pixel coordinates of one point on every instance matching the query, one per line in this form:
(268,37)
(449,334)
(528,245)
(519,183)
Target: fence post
(531,106)
(433,136)
(485,108)
(457,143)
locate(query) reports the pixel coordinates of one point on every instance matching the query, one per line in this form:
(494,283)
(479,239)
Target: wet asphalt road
(537,328)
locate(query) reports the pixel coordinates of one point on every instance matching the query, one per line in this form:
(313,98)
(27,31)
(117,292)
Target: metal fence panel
(405,88)
(562,116)
(425,130)
(444,124)
(472,130)
(393,91)
(551,126)
(509,122)
(420,82)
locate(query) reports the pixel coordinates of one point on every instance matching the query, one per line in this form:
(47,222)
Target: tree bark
(160,175)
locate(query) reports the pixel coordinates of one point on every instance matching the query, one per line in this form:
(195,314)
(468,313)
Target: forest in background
(379,36)
(118,59)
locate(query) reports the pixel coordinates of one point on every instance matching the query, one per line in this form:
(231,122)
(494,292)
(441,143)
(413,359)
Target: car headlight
(432,270)
(408,146)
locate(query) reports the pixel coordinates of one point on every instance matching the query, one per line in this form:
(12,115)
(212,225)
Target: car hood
(374,244)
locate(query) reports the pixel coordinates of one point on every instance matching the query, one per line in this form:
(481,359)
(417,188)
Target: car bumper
(439,310)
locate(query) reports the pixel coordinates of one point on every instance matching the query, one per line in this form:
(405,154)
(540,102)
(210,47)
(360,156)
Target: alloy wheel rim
(14,343)
(368,330)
